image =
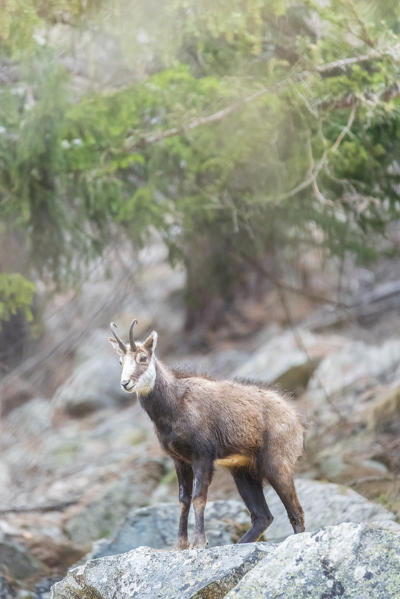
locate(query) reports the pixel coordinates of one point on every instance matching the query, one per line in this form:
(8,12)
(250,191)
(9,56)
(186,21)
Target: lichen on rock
(152,574)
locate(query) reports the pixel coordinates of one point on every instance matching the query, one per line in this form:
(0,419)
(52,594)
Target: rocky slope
(81,473)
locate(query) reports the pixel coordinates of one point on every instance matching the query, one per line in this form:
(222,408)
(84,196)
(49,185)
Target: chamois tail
(234,460)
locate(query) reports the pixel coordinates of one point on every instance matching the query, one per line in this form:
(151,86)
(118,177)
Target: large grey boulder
(283,361)
(148,574)
(350,561)
(345,373)
(354,362)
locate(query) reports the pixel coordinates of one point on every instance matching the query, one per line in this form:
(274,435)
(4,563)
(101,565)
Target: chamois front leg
(202,471)
(184,473)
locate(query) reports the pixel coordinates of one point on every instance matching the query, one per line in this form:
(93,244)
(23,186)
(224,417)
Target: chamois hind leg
(202,471)
(281,479)
(251,492)
(185,479)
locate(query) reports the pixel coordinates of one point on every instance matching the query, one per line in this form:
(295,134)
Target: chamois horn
(131,341)
(113,326)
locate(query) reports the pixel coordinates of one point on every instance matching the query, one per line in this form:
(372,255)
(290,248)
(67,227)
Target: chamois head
(137,360)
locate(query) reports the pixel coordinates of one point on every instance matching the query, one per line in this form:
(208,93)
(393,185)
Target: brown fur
(254,423)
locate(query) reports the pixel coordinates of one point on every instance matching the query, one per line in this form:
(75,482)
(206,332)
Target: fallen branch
(353,314)
(373,479)
(52,507)
(381,292)
(384,297)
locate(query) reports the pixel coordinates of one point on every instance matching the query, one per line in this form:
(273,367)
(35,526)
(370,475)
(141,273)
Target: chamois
(201,422)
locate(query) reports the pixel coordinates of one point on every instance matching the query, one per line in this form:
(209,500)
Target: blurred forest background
(227,172)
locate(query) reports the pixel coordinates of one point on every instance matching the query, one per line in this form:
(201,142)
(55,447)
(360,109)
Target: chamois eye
(143,359)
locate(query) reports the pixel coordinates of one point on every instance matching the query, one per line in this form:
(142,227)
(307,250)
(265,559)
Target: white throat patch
(145,382)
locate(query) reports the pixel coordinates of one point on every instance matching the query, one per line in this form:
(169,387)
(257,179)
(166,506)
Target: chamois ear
(116,346)
(150,343)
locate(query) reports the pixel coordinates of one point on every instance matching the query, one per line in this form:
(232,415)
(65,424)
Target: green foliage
(22,21)
(16,293)
(311,161)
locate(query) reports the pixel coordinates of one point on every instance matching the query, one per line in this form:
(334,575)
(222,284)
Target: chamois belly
(230,452)
(176,446)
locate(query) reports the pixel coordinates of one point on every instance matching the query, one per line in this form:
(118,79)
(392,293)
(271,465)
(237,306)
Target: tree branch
(346,62)
(345,129)
(312,178)
(323,69)
(205,120)
(389,93)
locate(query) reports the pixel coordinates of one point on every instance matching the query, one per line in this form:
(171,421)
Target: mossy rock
(385,416)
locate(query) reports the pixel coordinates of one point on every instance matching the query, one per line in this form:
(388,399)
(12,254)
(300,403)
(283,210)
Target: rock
(5,477)
(352,458)
(352,561)
(385,413)
(157,526)
(14,394)
(331,463)
(43,588)
(349,560)
(355,362)
(345,383)
(147,574)
(219,363)
(386,490)
(282,361)
(296,378)
(34,417)
(17,562)
(54,554)
(93,385)
(6,591)
(100,517)
(326,504)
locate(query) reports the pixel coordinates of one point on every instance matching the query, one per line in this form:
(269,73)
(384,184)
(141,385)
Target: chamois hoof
(181,545)
(200,543)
